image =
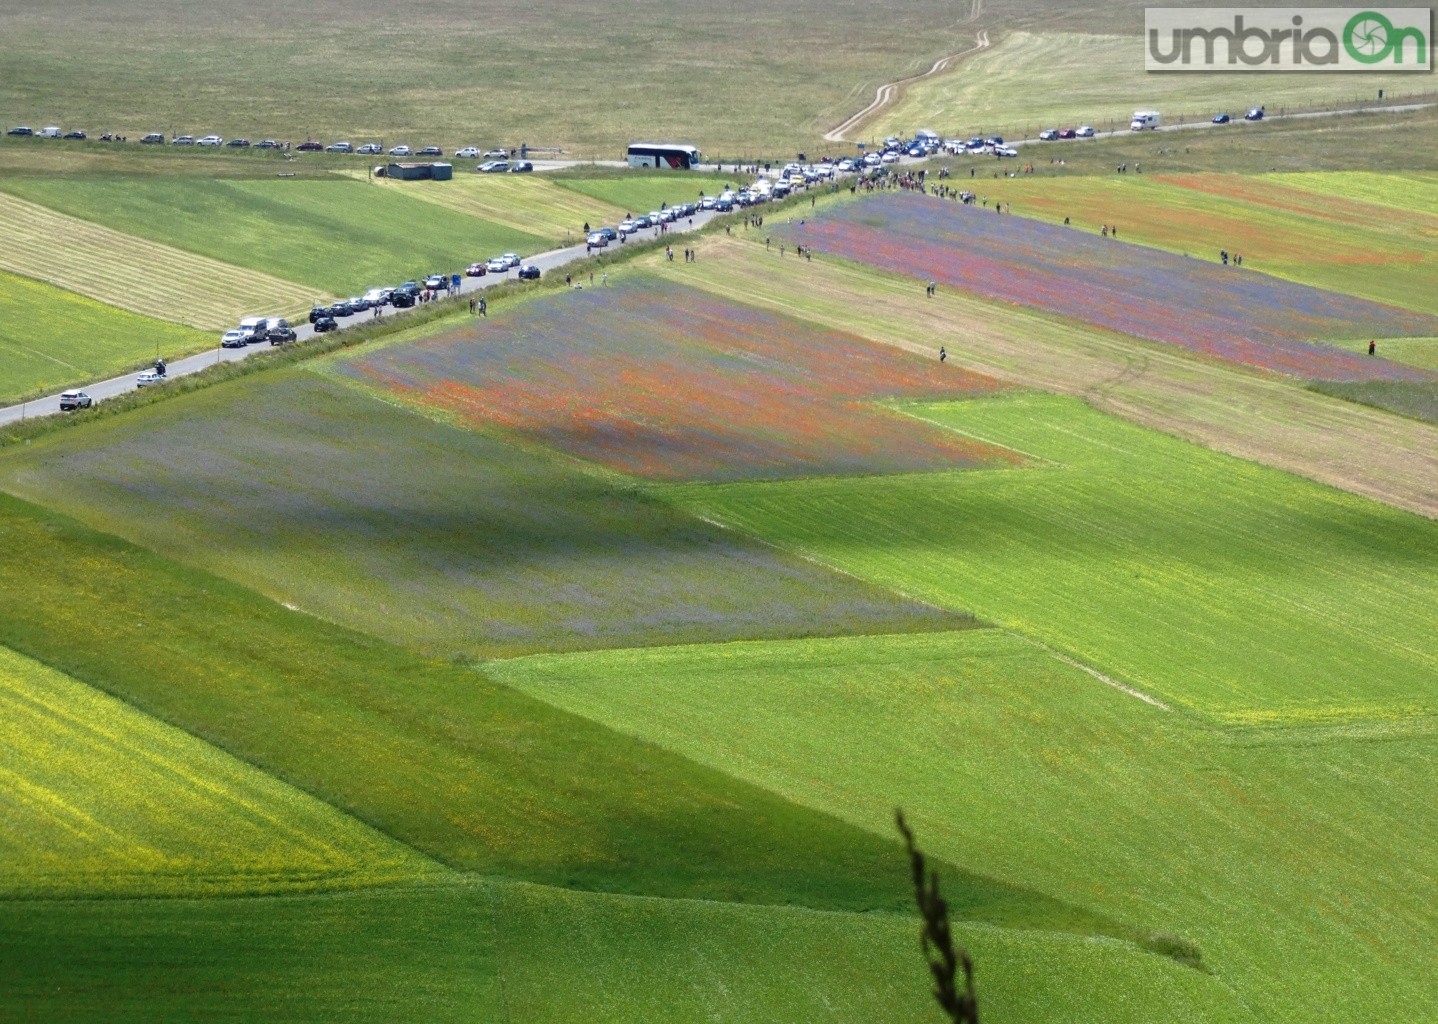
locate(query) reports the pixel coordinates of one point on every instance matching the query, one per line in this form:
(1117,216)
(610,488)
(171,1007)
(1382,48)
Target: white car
(235,339)
(598,240)
(1005,151)
(1048,134)
(493,167)
(147,378)
(889,158)
(72,400)
(1085,131)
(872,159)
(376,297)
(467,153)
(512,259)
(211,140)
(370,149)
(628,227)
(400,151)
(498,265)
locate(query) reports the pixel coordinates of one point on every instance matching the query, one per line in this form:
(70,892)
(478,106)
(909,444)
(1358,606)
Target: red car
(475,270)
(311,147)
(1068,133)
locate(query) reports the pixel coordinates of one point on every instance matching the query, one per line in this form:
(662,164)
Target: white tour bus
(663,154)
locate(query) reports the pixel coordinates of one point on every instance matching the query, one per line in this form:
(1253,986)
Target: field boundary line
(890,92)
(1107,680)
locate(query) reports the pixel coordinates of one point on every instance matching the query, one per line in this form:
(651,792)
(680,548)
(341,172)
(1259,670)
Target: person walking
(605,279)
(943,354)
(483,307)
(1372,347)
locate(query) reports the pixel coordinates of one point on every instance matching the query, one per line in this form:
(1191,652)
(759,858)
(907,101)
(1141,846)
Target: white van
(1144,119)
(48,132)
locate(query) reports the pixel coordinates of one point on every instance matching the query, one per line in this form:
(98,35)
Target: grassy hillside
(1344,241)
(135,274)
(467,771)
(51,338)
(454,541)
(471,950)
(545,73)
(336,235)
(1278,851)
(1289,602)
(1032,80)
(100,800)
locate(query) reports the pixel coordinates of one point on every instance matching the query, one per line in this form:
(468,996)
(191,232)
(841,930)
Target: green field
(101,800)
(453,541)
(1343,242)
(1032,80)
(1122,546)
(468,772)
(640,193)
(333,236)
(525,202)
(469,950)
(51,338)
(136,274)
(1279,851)
(737,80)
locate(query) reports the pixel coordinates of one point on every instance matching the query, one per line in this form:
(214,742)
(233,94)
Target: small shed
(419,172)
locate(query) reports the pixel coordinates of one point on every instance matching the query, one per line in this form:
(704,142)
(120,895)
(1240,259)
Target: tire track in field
(136,274)
(888,94)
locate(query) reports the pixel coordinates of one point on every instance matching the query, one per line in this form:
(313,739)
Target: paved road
(547,262)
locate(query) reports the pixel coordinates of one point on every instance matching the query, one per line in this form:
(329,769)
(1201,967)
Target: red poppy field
(1226,312)
(720,391)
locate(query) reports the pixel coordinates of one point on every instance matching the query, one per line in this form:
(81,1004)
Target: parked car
(72,400)
(596,240)
(431,151)
(268,144)
(211,140)
(1005,151)
(521,167)
(234,339)
(149,377)
(1067,133)
(1048,135)
(497,154)
(238,144)
(318,312)
(49,132)
(609,233)
(370,149)
(279,332)
(512,258)
(498,265)
(74,135)
(153,139)
(529,273)
(476,270)
(400,150)
(183,140)
(310,146)
(493,167)
(21,130)
(340,147)
(467,153)
(1085,131)
(325,324)
(437,282)
(341,308)
(1221,119)
(376,297)
(1255,114)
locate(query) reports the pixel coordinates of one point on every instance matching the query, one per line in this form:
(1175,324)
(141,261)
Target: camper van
(1144,119)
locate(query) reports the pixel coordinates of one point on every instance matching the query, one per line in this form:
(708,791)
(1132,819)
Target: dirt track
(888,93)
(1268,419)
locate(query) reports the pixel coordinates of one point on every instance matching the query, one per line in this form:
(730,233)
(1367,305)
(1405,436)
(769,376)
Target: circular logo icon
(1368,37)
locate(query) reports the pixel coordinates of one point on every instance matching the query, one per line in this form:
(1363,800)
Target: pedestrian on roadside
(1372,347)
(568,280)
(943,355)
(605,279)
(483,306)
